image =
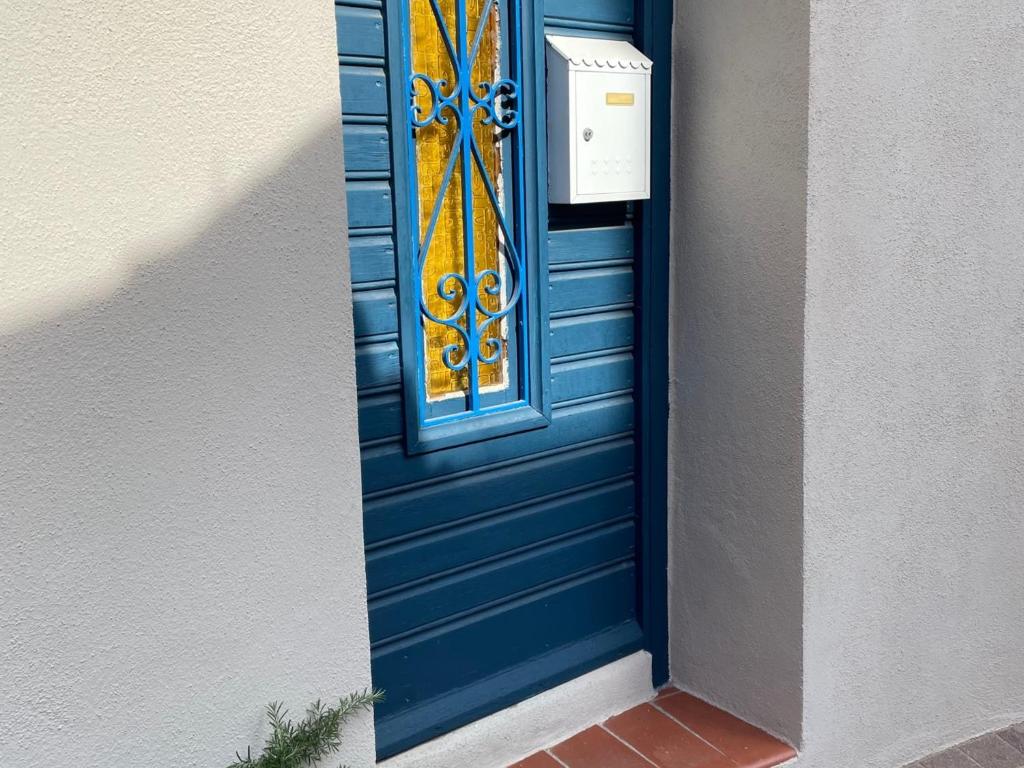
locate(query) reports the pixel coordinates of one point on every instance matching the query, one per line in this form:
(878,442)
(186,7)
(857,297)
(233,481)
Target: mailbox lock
(587,134)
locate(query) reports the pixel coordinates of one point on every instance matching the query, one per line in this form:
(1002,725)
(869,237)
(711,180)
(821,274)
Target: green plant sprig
(314,737)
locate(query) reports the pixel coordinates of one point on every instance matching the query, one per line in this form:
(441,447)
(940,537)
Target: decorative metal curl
(439,100)
(453,321)
(451,349)
(494,345)
(496,287)
(498,101)
(449,294)
(492,289)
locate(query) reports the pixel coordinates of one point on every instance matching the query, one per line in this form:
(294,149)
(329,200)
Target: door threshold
(543,720)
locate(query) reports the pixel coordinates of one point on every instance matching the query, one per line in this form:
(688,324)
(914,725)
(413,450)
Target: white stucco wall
(911,527)
(914,380)
(180,531)
(180,536)
(738,212)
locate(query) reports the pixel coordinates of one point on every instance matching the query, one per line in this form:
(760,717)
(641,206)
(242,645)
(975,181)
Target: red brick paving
(675,730)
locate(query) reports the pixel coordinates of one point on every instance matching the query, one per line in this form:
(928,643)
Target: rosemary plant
(314,737)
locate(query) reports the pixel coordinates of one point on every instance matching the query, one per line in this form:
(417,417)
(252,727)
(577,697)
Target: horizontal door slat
(372,258)
(402,514)
(591,333)
(377,365)
(380,417)
(475,590)
(586,288)
(363,91)
(360,31)
(366,149)
(369,204)
(387,567)
(593,376)
(581,245)
(375,312)
(606,11)
(388,466)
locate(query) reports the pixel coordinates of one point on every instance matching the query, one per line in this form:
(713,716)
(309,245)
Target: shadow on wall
(181,537)
(740,95)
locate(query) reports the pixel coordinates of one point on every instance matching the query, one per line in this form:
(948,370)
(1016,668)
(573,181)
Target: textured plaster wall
(180,526)
(904,505)
(914,382)
(739,210)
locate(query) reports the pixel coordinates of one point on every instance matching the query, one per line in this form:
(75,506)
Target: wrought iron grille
(466,166)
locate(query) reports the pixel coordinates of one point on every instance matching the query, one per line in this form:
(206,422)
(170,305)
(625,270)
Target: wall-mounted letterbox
(599,121)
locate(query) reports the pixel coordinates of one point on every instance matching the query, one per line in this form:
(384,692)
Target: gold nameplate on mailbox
(620,99)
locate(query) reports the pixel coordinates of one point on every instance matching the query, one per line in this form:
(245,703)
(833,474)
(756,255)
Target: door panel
(502,567)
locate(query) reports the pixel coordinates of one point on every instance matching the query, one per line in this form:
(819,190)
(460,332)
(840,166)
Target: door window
(468,293)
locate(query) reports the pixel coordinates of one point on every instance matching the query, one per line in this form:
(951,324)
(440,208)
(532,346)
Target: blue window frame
(470,194)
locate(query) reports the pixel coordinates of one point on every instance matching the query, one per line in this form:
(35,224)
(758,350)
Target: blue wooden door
(504,555)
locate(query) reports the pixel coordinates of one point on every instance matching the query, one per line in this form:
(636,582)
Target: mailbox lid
(593,54)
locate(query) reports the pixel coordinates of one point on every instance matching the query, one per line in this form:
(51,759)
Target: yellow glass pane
(447,252)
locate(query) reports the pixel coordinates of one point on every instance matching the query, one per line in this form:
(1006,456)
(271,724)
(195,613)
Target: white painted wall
(911,529)
(914,380)
(180,530)
(735,470)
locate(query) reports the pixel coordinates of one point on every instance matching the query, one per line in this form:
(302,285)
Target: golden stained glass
(447,252)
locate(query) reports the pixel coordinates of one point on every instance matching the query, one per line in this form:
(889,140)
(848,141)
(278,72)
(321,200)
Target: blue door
(510,360)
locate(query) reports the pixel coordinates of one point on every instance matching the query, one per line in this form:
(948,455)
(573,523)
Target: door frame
(652,230)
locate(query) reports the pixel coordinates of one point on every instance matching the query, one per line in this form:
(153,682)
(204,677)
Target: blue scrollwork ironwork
(503,114)
(471,293)
(439,101)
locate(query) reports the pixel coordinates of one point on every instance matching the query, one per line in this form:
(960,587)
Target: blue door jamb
(654,38)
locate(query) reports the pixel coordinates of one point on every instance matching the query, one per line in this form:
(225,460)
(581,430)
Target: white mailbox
(599,121)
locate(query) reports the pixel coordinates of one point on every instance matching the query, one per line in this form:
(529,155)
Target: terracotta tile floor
(1004,749)
(675,730)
